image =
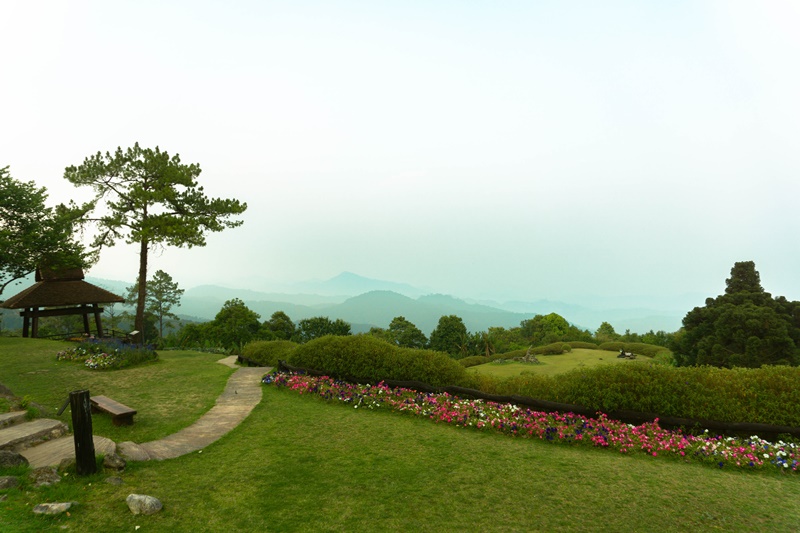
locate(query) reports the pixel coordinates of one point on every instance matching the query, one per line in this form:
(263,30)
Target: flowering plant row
(569,428)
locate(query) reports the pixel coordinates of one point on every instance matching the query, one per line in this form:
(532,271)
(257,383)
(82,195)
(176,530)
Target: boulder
(114,462)
(53,508)
(114,480)
(44,476)
(66,463)
(9,459)
(143,504)
(8,482)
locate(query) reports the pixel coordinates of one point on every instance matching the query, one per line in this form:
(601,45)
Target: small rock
(143,504)
(3,497)
(44,476)
(66,463)
(53,508)
(114,480)
(9,459)
(112,461)
(8,482)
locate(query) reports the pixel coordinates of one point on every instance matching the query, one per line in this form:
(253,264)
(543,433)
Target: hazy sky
(479,148)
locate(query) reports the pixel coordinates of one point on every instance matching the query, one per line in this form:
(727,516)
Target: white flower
(766,456)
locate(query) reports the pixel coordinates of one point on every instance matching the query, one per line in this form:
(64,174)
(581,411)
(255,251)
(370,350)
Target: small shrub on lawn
(368,359)
(474,360)
(267,353)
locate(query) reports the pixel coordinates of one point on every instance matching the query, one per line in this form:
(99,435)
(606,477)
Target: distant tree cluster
(744,327)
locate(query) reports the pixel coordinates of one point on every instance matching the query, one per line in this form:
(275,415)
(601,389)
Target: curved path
(241,395)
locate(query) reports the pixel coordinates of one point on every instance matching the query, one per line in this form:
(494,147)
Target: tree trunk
(138,323)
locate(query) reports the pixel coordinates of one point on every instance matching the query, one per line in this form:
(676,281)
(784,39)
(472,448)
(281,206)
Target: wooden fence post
(85,462)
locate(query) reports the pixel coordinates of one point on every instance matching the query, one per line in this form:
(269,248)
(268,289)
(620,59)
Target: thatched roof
(65,288)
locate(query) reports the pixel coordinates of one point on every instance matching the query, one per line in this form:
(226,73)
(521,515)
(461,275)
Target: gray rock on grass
(114,462)
(8,482)
(143,504)
(9,459)
(53,508)
(44,476)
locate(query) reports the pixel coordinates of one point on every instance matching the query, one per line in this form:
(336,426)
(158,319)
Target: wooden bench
(122,415)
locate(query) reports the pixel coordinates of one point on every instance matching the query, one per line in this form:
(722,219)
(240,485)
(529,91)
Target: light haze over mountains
(365,302)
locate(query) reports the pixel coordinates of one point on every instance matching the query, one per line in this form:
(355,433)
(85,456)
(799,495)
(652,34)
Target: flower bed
(98,355)
(568,428)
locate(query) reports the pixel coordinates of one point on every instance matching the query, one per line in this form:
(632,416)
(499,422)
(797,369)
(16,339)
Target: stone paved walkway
(241,395)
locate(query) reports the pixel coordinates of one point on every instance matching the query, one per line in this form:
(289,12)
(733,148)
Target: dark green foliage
(606,333)
(584,345)
(320,326)
(235,324)
(150,199)
(405,334)
(509,355)
(474,360)
(543,329)
(280,325)
(743,327)
(450,336)
(267,353)
(367,359)
(767,395)
(32,234)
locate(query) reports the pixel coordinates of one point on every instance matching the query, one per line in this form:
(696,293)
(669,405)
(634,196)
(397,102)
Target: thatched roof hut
(65,289)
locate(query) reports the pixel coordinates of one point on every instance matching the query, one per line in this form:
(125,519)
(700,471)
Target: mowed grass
(556,364)
(298,463)
(168,394)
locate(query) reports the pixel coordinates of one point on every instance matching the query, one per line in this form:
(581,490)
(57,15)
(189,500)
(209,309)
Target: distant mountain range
(365,302)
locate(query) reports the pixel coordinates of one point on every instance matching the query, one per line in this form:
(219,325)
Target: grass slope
(298,464)
(555,364)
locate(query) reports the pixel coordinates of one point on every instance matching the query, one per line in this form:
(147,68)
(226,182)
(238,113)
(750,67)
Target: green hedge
(581,344)
(474,360)
(267,353)
(556,348)
(767,395)
(639,348)
(368,359)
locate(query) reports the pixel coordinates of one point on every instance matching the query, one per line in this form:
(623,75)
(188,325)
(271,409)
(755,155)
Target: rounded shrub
(474,360)
(365,358)
(580,344)
(613,346)
(556,348)
(267,353)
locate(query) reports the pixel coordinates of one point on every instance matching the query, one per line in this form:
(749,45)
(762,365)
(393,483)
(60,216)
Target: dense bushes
(768,395)
(367,359)
(267,353)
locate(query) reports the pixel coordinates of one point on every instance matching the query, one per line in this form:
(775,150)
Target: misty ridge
(364,303)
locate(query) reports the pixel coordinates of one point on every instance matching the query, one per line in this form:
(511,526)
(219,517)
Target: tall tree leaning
(150,198)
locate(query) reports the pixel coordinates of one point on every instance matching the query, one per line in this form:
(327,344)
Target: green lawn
(169,394)
(555,364)
(300,464)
